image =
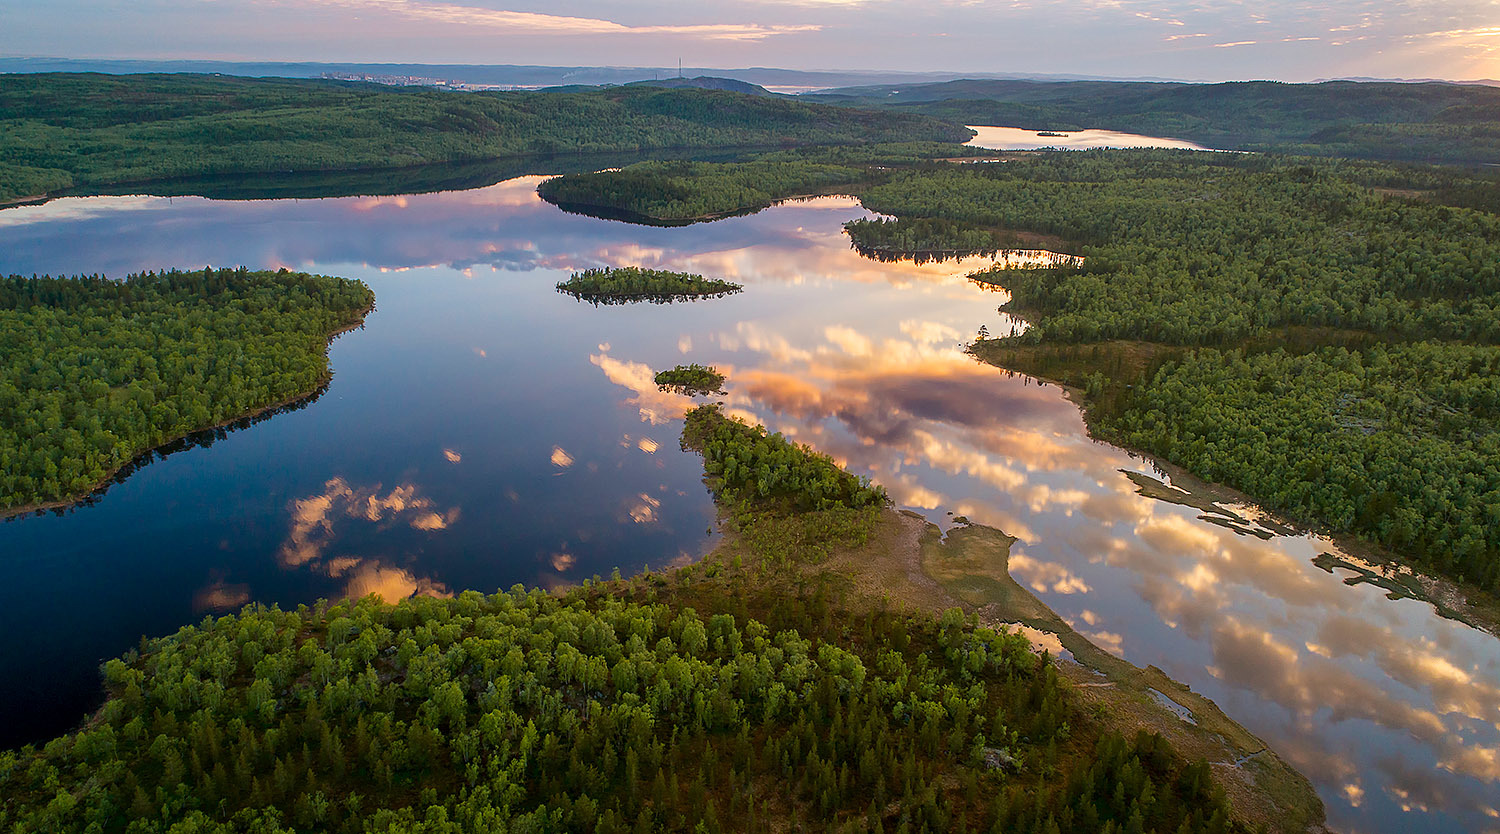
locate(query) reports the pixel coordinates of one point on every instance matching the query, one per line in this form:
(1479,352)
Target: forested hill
(60,131)
(1435,122)
(707,82)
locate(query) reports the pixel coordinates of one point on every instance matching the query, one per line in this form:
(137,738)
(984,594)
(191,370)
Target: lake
(1017,139)
(484,430)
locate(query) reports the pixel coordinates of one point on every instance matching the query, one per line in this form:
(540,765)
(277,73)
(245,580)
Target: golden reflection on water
(318,520)
(221,596)
(1014,138)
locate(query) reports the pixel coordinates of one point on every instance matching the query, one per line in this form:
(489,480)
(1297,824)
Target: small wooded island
(94,372)
(632,283)
(694,380)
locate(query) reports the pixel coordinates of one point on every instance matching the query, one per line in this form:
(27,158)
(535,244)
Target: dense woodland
(84,130)
(1193,248)
(1434,122)
(706,704)
(627,284)
(693,379)
(94,371)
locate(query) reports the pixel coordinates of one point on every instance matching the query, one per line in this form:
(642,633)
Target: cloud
(314,529)
(391,584)
(930,332)
(849,340)
(1045,576)
(644,510)
(221,596)
(657,407)
(535,23)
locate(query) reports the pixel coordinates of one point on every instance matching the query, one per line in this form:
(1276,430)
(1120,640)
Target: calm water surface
(1017,139)
(484,430)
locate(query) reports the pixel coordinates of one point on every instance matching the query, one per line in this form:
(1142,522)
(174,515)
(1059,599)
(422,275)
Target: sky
(1285,40)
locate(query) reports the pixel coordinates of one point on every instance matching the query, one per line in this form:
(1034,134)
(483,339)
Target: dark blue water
(483,430)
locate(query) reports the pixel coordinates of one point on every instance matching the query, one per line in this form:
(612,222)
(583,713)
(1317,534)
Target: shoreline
(626,216)
(93,189)
(144,456)
(909,562)
(1375,565)
(25,200)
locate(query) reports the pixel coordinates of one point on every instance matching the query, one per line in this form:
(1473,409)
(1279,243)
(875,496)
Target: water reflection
(221,597)
(1018,139)
(317,520)
(193,440)
(475,385)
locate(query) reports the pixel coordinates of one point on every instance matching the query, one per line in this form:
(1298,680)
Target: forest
(97,371)
(1428,122)
(84,131)
(693,702)
(693,379)
(1190,248)
(628,284)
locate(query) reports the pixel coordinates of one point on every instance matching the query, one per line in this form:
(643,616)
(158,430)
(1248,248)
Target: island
(95,373)
(694,380)
(628,284)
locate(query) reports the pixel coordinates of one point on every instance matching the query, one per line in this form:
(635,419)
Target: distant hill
(62,132)
(509,75)
(1433,121)
(707,82)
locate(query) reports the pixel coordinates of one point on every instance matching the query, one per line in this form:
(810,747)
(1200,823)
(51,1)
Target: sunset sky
(1191,39)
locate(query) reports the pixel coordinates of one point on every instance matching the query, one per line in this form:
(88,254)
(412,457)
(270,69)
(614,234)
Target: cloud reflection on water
(318,520)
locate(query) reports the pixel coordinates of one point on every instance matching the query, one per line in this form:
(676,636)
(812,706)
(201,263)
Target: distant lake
(1016,139)
(483,430)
